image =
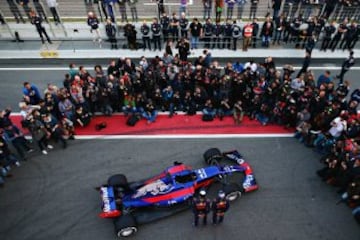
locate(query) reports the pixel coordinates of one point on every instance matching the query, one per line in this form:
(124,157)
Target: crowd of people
(322,110)
(303,30)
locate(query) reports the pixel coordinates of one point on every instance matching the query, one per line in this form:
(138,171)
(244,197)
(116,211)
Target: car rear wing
(108,205)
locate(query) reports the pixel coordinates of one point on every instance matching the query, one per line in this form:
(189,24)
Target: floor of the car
(155,213)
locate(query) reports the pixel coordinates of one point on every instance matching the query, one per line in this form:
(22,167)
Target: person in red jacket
(247,34)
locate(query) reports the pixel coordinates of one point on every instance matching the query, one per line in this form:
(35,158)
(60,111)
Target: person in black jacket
(227,34)
(306,64)
(253,8)
(111,33)
(347,64)
(342,28)
(208,31)
(255,32)
(183,46)
(236,34)
(15,11)
(349,36)
(37,21)
(145,31)
(165,26)
(40,10)
(155,29)
(276,5)
(217,32)
(328,32)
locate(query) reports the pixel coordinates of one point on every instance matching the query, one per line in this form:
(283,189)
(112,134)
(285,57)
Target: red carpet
(179,124)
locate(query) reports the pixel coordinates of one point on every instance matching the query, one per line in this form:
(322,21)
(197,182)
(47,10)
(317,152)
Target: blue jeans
(127,110)
(10,160)
(194,42)
(182,9)
(151,117)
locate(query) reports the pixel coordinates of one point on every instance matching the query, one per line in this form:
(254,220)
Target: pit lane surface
(52,197)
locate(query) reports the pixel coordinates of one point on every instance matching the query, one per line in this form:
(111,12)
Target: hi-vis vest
(248,30)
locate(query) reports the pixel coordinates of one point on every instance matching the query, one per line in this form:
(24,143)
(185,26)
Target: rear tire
(118,180)
(212,156)
(125,226)
(232,191)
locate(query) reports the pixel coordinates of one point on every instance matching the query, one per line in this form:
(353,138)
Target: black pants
(175,34)
(235,43)
(16,12)
(218,217)
(165,35)
(134,14)
(55,15)
(113,42)
(325,43)
(20,144)
(146,42)
(157,42)
(40,11)
(42,31)
(253,9)
(217,41)
(184,33)
(226,42)
(43,143)
(196,219)
(207,40)
(334,42)
(58,136)
(341,75)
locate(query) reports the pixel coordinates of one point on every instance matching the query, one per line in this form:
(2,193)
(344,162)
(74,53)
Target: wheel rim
(125,232)
(233,196)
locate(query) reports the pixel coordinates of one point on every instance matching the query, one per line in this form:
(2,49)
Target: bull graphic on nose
(154,188)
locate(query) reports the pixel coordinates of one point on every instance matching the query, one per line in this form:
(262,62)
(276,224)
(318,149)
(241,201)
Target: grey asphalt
(52,197)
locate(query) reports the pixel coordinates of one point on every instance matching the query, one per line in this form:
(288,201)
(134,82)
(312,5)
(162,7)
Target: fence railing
(77,9)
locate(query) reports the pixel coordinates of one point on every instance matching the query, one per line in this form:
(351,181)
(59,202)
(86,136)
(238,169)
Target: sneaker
(30,150)
(17,164)
(44,152)
(50,146)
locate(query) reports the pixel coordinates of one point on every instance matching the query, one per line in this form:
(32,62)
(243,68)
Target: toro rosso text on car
(130,204)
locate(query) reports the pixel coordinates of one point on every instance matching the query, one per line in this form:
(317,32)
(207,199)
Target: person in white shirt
(52,4)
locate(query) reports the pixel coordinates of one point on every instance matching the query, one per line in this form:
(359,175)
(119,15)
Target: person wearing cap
(219,206)
(201,207)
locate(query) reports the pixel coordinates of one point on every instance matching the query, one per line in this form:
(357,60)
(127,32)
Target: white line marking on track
(184,136)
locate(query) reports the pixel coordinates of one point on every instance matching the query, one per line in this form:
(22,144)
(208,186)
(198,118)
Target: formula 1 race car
(132,203)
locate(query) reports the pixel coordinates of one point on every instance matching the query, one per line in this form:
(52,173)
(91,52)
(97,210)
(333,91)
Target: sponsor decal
(201,172)
(154,188)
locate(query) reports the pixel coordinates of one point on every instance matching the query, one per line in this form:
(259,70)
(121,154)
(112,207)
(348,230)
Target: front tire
(125,226)
(212,156)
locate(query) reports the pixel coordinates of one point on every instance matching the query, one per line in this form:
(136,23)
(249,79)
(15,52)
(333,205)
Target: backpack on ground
(132,120)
